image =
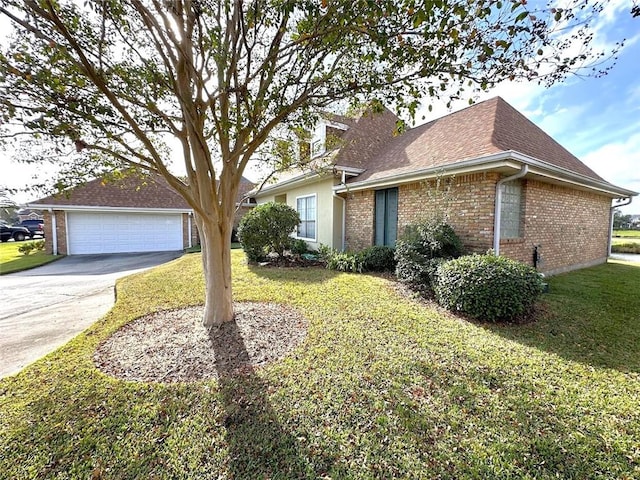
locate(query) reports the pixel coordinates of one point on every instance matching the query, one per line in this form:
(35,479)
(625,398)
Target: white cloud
(619,163)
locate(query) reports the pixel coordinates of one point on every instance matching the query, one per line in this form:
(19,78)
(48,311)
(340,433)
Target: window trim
(314,239)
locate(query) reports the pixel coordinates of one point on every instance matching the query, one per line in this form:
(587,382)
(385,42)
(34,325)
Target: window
(316,148)
(386,217)
(511,210)
(306,207)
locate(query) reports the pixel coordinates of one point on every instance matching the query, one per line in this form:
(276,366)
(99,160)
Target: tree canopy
(112,84)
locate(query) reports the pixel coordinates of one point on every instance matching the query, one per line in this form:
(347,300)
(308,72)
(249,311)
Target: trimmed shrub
(266,229)
(627,247)
(372,259)
(378,258)
(26,248)
(487,287)
(420,251)
(298,246)
(344,262)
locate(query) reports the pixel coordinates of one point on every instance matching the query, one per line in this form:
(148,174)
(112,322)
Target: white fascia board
(91,208)
(460,168)
(563,175)
(508,159)
(349,170)
(306,178)
(290,183)
(334,124)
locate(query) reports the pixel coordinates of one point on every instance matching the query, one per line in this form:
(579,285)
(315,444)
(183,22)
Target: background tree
(8,208)
(107,84)
(621,221)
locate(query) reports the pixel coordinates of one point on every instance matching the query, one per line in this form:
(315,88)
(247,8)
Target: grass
(198,249)
(13,261)
(627,233)
(622,241)
(383,387)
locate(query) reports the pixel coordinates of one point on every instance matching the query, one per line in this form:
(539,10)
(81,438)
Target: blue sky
(597,119)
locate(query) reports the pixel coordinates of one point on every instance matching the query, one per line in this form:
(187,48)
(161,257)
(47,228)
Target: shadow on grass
(461,404)
(259,446)
(590,316)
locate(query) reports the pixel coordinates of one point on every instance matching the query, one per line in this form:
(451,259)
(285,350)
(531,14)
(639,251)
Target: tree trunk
(216,261)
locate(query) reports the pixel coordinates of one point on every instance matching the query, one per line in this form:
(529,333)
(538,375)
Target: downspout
(189,229)
(497,213)
(609,242)
(54,232)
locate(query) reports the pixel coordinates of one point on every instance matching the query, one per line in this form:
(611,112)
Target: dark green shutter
(386,217)
(380,216)
(391,227)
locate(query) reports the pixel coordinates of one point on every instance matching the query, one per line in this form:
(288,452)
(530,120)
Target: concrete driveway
(46,307)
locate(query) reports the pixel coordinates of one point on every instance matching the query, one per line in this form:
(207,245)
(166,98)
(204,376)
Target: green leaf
(521,16)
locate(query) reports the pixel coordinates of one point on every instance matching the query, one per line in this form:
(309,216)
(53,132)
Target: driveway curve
(46,307)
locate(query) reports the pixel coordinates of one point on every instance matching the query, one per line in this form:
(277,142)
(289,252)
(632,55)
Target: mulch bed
(174,346)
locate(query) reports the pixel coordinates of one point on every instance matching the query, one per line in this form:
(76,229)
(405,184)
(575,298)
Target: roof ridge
(499,138)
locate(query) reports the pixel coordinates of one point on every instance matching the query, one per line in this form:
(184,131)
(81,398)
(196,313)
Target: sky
(596,119)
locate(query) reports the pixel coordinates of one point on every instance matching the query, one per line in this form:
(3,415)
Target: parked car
(35,227)
(9,231)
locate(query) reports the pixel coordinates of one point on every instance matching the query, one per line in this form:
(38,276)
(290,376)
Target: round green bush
(298,246)
(421,249)
(267,228)
(487,287)
(378,258)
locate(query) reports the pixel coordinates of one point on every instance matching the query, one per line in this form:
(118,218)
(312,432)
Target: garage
(93,232)
(133,214)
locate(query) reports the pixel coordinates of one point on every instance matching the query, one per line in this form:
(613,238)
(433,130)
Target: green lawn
(383,387)
(627,233)
(13,261)
(621,241)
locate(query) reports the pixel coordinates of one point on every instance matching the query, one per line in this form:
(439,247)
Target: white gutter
(624,203)
(307,177)
(476,164)
(54,232)
(509,159)
(285,184)
(93,208)
(497,212)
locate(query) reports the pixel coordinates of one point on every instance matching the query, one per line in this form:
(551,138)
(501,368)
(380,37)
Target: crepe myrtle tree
(117,84)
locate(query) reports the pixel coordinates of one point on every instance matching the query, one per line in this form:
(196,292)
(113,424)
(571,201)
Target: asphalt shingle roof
(489,127)
(133,191)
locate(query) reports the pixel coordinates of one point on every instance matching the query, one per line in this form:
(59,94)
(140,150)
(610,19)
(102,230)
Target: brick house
(137,213)
(27,214)
(502,183)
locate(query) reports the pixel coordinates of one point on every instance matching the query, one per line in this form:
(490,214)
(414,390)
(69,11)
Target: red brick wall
(61,232)
(466,201)
(571,225)
(359,220)
(185,230)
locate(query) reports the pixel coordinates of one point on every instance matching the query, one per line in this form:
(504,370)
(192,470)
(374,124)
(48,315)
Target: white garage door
(123,232)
